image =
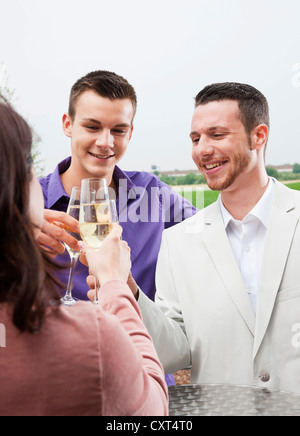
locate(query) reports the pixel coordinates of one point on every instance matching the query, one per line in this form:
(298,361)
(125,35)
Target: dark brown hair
(26,283)
(253,105)
(104,83)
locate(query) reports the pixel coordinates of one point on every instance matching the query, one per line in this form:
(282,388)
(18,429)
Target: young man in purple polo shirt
(100,124)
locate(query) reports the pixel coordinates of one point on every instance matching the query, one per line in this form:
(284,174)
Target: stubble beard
(238,164)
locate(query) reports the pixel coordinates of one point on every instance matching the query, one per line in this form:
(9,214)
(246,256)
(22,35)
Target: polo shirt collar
(120,175)
(56,189)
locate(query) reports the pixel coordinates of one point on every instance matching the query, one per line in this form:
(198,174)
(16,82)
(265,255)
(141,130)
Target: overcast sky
(168,50)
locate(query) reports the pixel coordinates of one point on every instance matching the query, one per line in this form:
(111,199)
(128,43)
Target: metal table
(226,400)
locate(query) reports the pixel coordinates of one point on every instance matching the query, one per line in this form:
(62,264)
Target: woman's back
(54,371)
(75,364)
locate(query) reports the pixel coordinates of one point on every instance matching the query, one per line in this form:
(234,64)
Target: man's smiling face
(221,146)
(100,131)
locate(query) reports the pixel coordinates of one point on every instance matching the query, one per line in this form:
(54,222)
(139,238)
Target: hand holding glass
(95,216)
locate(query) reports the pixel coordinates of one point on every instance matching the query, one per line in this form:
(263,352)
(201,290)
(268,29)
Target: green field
(202,199)
(210,197)
(295,186)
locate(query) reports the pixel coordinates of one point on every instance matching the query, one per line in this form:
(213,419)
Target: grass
(295,186)
(201,198)
(196,196)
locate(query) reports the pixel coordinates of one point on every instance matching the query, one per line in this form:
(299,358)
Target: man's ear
(260,136)
(67,125)
(130,136)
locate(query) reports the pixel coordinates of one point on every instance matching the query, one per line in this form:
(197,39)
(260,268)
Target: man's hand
(130,282)
(53,234)
(133,286)
(91,284)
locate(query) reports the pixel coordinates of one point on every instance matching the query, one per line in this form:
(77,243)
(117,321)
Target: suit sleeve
(164,319)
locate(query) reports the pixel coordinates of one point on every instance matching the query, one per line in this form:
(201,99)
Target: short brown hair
(253,105)
(104,83)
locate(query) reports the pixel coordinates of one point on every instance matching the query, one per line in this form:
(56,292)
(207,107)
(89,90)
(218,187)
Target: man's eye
(195,141)
(119,132)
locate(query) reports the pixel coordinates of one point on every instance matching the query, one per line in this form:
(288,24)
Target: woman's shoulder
(83,313)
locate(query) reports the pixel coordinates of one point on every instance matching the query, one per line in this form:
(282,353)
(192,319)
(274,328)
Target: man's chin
(101,171)
(220,185)
(214,188)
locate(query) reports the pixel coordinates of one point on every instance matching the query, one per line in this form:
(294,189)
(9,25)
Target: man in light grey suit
(228,279)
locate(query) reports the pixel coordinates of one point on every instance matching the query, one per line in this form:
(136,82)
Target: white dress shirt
(247,239)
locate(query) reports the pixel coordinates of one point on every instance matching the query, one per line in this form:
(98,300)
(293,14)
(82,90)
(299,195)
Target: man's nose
(105,139)
(205,147)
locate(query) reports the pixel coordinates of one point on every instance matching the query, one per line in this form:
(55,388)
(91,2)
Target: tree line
(198,179)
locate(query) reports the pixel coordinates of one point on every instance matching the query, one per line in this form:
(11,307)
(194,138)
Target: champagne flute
(95,217)
(73,211)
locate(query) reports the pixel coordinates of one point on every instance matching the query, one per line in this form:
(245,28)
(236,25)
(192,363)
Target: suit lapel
(280,234)
(279,238)
(218,246)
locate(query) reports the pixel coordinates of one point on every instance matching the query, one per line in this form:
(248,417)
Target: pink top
(84,361)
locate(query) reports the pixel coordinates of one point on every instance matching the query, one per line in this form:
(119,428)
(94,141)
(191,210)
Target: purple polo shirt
(146,207)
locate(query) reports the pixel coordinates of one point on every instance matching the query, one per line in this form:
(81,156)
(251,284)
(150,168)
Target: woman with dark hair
(59,360)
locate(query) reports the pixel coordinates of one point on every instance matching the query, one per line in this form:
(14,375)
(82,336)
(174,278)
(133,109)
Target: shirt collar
(261,210)
(121,177)
(56,189)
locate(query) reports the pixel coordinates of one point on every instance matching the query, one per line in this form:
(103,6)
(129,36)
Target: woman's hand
(111,261)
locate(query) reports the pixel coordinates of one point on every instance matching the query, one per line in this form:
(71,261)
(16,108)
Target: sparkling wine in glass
(95,217)
(113,212)
(73,211)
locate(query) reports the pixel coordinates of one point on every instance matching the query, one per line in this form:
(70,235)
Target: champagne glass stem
(68,299)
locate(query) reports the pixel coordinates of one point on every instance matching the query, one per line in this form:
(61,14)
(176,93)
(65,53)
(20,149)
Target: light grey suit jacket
(203,316)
